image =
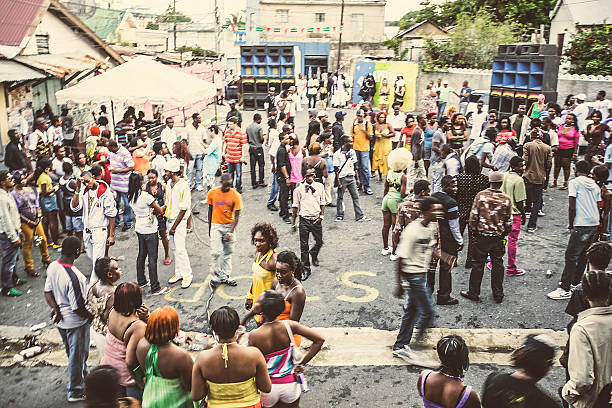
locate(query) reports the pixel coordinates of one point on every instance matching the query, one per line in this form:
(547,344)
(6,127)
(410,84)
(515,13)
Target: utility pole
(174,12)
(340,37)
(216,28)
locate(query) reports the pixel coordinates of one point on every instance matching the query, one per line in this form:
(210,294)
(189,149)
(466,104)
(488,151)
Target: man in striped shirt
(123,127)
(121,166)
(233,140)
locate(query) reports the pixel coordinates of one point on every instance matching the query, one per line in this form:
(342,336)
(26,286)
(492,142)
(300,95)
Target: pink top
(114,355)
(570,139)
(296,166)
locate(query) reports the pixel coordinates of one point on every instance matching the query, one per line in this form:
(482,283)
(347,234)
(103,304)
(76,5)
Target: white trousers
(437,172)
(95,248)
(182,267)
(220,252)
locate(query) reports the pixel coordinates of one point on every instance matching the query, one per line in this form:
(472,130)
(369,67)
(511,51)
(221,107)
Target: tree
(152,26)
(196,51)
(234,20)
(472,43)
(590,51)
(170,16)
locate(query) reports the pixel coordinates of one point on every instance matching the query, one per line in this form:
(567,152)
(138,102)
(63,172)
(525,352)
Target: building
(315,25)
(46,49)
(120,26)
(568,15)
(413,39)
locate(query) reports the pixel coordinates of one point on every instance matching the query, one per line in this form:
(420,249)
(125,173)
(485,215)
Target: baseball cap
(322,113)
(581,97)
(273,89)
(496,177)
(340,114)
(173,165)
(360,112)
(445,82)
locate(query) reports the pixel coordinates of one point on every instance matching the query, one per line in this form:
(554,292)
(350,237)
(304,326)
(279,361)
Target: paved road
(352,288)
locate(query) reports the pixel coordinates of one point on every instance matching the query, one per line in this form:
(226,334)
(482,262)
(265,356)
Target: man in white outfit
(178,209)
(99,212)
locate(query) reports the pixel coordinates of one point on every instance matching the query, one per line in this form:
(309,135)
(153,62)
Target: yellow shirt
(44,179)
(359,131)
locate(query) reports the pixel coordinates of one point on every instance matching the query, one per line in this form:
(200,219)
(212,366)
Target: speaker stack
(520,73)
(263,67)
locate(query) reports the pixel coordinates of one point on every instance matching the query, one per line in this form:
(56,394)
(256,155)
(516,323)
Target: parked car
(478,95)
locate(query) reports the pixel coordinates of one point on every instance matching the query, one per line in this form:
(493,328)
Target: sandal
(167,261)
(553,185)
(564,187)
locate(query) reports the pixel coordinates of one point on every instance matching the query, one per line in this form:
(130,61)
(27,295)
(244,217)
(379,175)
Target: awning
(11,71)
(60,65)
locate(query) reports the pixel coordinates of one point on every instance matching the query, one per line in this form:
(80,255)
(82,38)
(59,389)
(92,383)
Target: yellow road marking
(370,292)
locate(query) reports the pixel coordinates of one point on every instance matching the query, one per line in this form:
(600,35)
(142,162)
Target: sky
(198,8)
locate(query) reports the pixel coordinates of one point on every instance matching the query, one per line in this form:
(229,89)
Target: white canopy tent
(138,81)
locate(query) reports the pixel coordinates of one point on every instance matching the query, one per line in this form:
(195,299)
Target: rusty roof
(18,21)
(60,65)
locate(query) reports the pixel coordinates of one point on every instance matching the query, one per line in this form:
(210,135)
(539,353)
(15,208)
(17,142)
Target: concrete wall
(302,14)
(481,80)
(355,51)
(562,23)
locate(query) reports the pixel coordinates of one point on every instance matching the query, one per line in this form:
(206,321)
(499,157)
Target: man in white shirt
(347,178)
(581,111)
(478,119)
(168,135)
(178,209)
(196,141)
(38,141)
(309,204)
(397,119)
(97,202)
(603,105)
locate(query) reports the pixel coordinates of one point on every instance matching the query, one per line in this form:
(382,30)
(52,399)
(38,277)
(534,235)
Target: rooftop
(105,22)
(586,12)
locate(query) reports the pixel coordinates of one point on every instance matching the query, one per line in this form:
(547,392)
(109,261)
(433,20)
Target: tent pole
(184,118)
(113,116)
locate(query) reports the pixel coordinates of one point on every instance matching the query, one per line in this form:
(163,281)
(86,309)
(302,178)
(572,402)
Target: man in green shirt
(443,94)
(514,187)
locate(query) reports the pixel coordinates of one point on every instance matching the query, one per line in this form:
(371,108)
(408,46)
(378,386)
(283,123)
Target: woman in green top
(167,367)
(395,191)
(536,108)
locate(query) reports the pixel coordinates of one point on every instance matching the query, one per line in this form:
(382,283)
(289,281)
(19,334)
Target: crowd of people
(440,176)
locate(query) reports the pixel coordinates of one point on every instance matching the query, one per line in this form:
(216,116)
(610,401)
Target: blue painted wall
(306,49)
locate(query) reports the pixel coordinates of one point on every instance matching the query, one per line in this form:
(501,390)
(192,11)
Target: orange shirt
(224,205)
(359,131)
(141,164)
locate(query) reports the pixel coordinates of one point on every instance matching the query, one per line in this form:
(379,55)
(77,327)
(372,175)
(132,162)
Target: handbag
(444,257)
(296,353)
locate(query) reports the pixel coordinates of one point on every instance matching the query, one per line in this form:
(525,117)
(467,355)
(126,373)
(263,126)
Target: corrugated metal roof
(16,19)
(60,65)
(11,71)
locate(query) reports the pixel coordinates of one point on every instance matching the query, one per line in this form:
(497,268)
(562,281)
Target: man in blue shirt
(584,197)
(464,97)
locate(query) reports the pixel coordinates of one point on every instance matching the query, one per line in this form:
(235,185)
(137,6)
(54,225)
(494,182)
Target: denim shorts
(48,204)
(427,153)
(74,223)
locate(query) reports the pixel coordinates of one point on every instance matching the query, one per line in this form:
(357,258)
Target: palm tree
(234,20)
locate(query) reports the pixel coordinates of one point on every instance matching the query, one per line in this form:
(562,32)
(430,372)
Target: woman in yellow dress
(383,132)
(265,240)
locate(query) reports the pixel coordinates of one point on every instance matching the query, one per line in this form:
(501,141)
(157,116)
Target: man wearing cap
(362,132)
(514,187)
(323,116)
(338,129)
(178,209)
(233,112)
(491,221)
(269,101)
(397,119)
(99,208)
(538,159)
(581,111)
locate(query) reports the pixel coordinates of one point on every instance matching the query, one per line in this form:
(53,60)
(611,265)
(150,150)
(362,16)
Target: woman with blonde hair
(167,367)
(395,190)
(383,92)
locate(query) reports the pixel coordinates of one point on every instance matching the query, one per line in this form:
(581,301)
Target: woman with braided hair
(444,388)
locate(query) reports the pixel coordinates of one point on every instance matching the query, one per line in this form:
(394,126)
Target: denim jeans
(147,248)
(363,166)
(418,307)
(348,183)
(195,164)
(235,168)
(76,343)
(534,200)
(575,255)
(10,254)
(220,253)
(283,197)
(273,190)
(256,157)
(308,227)
(441,109)
(127,210)
(493,246)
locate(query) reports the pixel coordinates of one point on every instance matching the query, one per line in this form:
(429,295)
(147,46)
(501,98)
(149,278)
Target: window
(319,17)
(42,43)
(282,15)
(357,22)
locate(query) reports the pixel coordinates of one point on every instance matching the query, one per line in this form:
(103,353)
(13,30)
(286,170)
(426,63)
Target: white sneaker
(406,354)
(161,291)
(186,283)
(175,278)
(200,188)
(394,257)
(559,294)
(541,213)
(385,251)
